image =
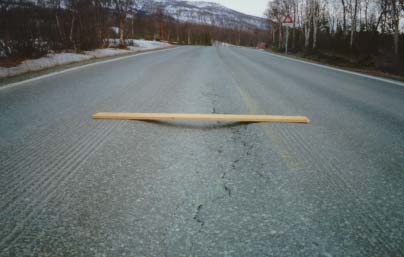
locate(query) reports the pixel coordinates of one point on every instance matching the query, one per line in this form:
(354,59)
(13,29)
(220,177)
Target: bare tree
(308,19)
(177,15)
(122,8)
(344,16)
(295,10)
(396,8)
(315,13)
(353,9)
(276,11)
(366,14)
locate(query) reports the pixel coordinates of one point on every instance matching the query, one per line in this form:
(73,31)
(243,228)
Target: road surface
(73,186)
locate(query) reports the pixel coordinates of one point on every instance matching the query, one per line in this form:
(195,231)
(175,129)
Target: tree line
(368,30)
(31,30)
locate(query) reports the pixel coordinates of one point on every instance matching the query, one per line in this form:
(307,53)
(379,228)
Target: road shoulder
(373,74)
(7,82)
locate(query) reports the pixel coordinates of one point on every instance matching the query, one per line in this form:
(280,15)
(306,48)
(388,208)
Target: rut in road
(69,184)
(48,173)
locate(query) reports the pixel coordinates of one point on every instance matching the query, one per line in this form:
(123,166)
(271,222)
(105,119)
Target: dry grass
(11,62)
(342,62)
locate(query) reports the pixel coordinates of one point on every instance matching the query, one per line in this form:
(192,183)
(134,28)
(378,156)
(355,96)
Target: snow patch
(47,61)
(207,13)
(51,60)
(98,53)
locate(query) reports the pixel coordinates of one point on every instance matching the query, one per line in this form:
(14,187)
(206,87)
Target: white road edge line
(398,83)
(81,67)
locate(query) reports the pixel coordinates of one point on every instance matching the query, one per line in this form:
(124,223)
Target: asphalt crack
(227,189)
(198,217)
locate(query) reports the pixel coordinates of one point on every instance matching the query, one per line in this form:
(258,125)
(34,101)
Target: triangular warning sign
(288,19)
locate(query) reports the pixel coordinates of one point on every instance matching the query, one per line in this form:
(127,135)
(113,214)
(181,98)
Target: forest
(29,30)
(361,33)
(357,33)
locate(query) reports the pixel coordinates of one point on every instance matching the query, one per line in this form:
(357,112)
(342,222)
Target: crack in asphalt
(198,217)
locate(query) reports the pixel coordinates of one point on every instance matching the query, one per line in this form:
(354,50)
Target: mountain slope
(204,13)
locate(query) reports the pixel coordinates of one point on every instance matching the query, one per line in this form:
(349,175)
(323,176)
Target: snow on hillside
(51,60)
(204,13)
(197,12)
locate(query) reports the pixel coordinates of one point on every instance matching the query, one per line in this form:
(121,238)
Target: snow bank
(47,61)
(138,44)
(51,60)
(145,44)
(98,53)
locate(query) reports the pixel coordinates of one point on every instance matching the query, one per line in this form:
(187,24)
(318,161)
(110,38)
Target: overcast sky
(253,7)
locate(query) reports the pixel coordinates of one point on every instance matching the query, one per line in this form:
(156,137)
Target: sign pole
(287,38)
(287,22)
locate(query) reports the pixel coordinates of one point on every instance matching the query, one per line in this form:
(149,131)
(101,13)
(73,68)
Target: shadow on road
(201,126)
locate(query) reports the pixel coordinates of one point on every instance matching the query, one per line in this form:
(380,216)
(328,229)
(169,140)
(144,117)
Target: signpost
(287,22)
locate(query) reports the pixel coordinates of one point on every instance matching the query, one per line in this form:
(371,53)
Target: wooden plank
(201,117)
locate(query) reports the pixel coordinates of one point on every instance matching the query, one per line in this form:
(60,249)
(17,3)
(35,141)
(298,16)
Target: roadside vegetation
(359,34)
(29,30)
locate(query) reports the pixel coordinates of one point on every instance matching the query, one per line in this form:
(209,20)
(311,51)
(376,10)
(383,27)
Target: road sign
(288,23)
(287,20)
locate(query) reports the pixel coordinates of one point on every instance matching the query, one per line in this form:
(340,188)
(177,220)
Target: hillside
(206,13)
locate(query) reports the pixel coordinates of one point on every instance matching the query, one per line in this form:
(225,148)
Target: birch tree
(308,17)
(122,8)
(353,9)
(275,12)
(396,9)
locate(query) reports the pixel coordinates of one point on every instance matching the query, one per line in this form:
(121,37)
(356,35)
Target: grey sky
(253,7)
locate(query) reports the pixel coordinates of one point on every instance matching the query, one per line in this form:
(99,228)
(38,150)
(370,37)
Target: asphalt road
(72,186)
